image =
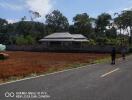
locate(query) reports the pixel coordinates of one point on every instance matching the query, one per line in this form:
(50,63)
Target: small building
(64,39)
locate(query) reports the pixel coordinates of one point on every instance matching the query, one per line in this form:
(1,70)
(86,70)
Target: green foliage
(4,38)
(56,21)
(92,42)
(25,28)
(3,22)
(20,40)
(108,41)
(111,33)
(81,19)
(102,22)
(115,42)
(99,31)
(112,41)
(28,40)
(82,24)
(124,21)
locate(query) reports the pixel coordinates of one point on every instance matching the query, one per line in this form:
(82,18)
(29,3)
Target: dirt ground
(21,64)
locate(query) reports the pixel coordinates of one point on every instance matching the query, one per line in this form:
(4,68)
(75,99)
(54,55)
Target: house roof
(66,40)
(78,36)
(64,36)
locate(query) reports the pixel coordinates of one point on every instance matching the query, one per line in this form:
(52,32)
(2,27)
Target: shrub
(20,40)
(103,41)
(30,39)
(27,40)
(91,42)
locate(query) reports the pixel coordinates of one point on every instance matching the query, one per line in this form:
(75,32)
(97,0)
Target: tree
(39,31)
(4,38)
(72,29)
(82,24)
(27,40)
(35,29)
(127,20)
(111,33)
(3,22)
(119,22)
(30,39)
(57,22)
(34,15)
(20,40)
(23,18)
(124,22)
(102,22)
(23,28)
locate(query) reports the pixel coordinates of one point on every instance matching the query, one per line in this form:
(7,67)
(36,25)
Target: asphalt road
(94,82)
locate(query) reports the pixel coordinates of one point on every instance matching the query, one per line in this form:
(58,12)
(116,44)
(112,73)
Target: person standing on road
(113,56)
(123,52)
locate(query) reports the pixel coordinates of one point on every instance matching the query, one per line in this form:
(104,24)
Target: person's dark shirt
(113,53)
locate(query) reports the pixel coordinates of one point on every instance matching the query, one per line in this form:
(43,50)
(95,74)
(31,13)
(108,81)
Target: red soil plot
(21,64)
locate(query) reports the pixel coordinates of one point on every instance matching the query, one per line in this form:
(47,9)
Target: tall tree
(82,24)
(111,33)
(56,22)
(124,22)
(3,22)
(119,22)
(102,22)
(23,18)
(127,20)
(34,15)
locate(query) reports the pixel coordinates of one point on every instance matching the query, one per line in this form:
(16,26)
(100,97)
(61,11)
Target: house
(64,39)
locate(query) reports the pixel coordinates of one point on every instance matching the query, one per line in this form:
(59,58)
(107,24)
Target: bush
(91,42)
(110,41)
(27,40)
(115,42)
(30,39)
(103,41)
(20,40)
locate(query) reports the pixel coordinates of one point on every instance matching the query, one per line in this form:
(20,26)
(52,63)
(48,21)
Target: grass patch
(108,59)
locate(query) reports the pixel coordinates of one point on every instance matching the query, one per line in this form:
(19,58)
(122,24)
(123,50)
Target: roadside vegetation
(106,29)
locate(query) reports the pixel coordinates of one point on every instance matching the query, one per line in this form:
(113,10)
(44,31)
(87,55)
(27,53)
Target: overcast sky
(14,10)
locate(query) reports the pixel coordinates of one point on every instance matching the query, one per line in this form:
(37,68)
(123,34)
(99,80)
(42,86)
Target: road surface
(94,82)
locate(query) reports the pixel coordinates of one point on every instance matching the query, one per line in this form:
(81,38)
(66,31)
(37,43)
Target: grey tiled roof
(78,36)
(64,36)
(57,40)
(59,35)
